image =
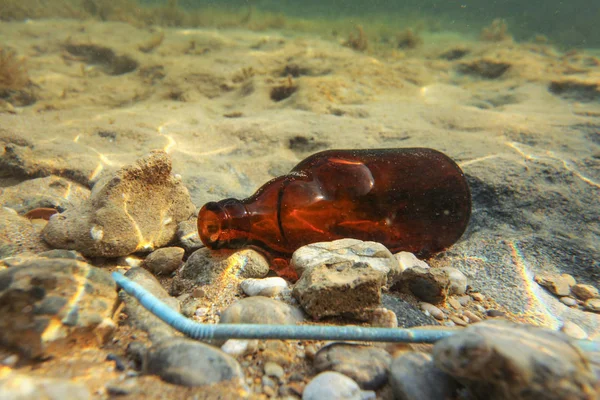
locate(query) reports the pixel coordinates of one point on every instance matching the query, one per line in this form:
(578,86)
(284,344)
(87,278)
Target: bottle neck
(224,224)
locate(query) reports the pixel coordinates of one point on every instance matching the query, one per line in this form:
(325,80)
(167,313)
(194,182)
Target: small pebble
(432,310)
(458,281)
(269,287)
(164,261)
(119,364)
(480,308)
(408,260)
(464,300)
(10,361)
(592,305)
(472,317)
(198,293)
(239,347)
(559,285)
(495,313)
(573,330)
(584,292)
(334,386)
(384,318)
(200,312)
(454,303)
(274,369)
(457,320)
(568,301)
(477,296)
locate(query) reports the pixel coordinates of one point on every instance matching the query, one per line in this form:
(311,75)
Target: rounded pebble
(334,386)
(473,318)
(164,261)
(432,310)
(268,287)
(274,370)
(239,347)
(568,301)
(573,330)
(477,296)
(584,292)
(261,310)
(592,305)
(495,313)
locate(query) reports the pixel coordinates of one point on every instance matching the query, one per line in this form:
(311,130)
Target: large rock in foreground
(49,305)
(138,208)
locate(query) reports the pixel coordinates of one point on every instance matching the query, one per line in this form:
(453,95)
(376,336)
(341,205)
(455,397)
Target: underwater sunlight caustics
(411,199)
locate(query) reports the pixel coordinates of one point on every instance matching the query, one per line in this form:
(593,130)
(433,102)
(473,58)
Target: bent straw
(201,331)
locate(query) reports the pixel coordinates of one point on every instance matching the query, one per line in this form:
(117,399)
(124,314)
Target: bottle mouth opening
(210,221)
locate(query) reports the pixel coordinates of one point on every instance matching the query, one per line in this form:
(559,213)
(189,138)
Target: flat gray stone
(366,365)
(334,386)
(164,261)
(187,362)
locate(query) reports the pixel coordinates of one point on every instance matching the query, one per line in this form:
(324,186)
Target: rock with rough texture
(261,310)
(50,305)
(559,285)
(138,208)
(592,305)
(15,386)
(18,235)
(414,376)
(138,315)
(433,285)
(334,386)
(373,254)
(204,267)
(269,287)
(366,365)
(164,261)
(502,360)
(187,233)
(187,362)
(407,314)
(350,288)
(49,192)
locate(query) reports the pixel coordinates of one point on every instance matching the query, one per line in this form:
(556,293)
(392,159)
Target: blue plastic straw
(200,331)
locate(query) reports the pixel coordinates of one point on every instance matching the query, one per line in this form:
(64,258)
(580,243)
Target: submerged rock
(261,310)
(138,208)
(51,305)
(18,235)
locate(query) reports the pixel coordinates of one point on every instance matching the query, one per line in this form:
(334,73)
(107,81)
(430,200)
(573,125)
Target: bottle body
(411,199)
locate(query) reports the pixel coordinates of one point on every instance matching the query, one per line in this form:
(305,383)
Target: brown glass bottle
(412,199)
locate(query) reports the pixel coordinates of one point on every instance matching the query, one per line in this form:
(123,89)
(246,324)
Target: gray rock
(187,362)
(457,281)
(16,386)
(334,386)
(49,192)
(269,287)
(138,208)
(260,310)
(407,314)
(138,315)
(366,365)
(499,360)
(431,285)
(559,285)
(351,288)
(164,261)
(50,305)
(432,310)
(187,233)
(414,376)
(18,235)
(345,251)
(205,266)
(568,301)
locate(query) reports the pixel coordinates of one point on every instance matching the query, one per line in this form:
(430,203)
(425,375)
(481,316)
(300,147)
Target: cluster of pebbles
(56,295)
(571,293)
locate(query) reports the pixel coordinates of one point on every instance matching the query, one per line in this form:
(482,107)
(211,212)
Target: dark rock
(138,315)
(106,226)
(51,305)
(187,233)
(164,261)
(366,365)
(484,68)
(428,284)
(414,376)
(260,310)
(188,362)
(498,360)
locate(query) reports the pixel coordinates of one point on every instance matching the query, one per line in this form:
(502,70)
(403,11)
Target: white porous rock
(269,287)
(335,386)
(376,255)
